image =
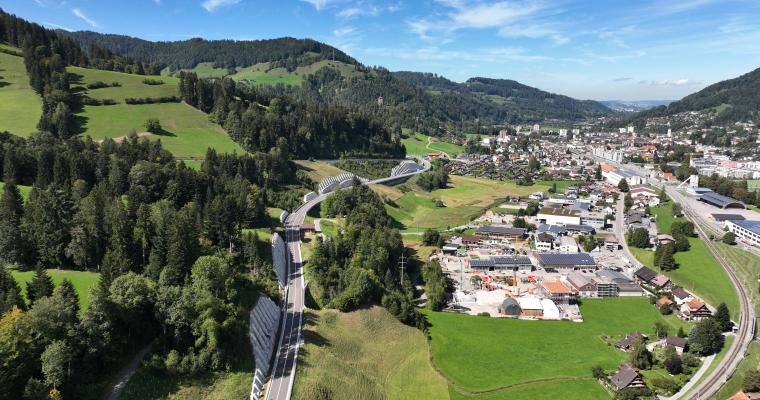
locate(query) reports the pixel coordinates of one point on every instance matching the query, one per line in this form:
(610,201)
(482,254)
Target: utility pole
(402,265)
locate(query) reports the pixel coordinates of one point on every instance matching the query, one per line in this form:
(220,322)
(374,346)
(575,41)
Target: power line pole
(402,266)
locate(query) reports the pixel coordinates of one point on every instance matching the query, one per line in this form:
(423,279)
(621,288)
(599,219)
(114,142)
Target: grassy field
(187,131)
(417,144)
(481,355)
(698,271)
(81,280)
(561,185)
(219,386)
(262,74)
(365,354)
(23,190)
(318,170)
(464,199)
(131,85)
(21,107)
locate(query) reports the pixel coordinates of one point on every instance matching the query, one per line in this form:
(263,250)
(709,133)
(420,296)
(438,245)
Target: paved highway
(284,371)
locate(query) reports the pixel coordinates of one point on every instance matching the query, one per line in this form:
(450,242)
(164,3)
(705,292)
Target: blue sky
(613,49)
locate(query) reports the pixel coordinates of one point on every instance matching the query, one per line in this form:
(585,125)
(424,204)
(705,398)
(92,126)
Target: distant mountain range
(634,105)
(408,96)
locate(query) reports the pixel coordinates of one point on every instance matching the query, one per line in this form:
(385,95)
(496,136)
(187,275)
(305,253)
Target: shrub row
(152,100)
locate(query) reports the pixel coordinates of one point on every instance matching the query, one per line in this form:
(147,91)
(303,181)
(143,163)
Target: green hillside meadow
(187,131)
(21,107)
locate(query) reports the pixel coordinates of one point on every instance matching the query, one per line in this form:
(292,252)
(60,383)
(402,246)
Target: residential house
(661,282)
(581,285)
(695,310)
(680,295)
(611,242)
(627,377)
(567,244)
(556,291)
(470,241)
(630,340)
(544,242)
(677,343)
(645,275)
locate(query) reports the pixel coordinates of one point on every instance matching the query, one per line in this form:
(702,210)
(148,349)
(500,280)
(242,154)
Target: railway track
(745,328)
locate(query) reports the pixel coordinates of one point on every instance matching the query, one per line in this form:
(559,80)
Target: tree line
(259,121)
(166,239)
(361,266)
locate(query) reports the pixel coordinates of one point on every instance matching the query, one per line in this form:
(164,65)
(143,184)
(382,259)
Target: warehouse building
(561,262)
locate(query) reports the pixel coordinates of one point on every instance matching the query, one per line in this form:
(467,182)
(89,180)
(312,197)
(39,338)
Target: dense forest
(46,55)
(740,94)
(260,121)
(282,52)
(166,240)
(421,101)
(360,266)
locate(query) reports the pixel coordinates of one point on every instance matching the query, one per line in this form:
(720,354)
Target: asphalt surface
(284,370)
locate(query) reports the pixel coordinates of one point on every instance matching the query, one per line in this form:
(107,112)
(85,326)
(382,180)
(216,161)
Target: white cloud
(533,32)
(513,19)
(343,31)
(56,26)
(482,55)
(359,11)
(84,18)
(668,7)
(670,82)
(319,4)
(212,5)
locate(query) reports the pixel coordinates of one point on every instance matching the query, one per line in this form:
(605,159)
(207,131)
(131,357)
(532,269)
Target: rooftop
(752,226)
(565,259)
(555,287)
(721,201)
(502,230)
(564,212)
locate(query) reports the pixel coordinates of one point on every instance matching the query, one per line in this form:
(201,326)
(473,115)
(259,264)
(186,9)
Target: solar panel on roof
(566,259)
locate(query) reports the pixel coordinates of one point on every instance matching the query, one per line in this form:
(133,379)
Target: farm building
(645,275)
(582,285)
(565,262)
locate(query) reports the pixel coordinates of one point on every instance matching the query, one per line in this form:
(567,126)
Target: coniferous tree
(10,292)
(11,212)
(40,286)
(118,257)
(723,317)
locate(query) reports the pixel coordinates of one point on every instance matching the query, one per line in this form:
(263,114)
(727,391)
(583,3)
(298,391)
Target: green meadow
(365,354)
(82,281)
(187,132)
(22,107)
(489,358)
(417,144)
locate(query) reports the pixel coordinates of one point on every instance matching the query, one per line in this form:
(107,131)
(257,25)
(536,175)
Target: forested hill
(282,52)
(511,97)
(732,100)
(425,99)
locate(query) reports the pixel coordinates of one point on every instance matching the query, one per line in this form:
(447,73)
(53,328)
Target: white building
(558,216)
(616,175)
(567,244)
(594,218)
(746,231)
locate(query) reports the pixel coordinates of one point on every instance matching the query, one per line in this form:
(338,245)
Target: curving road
(284,370)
